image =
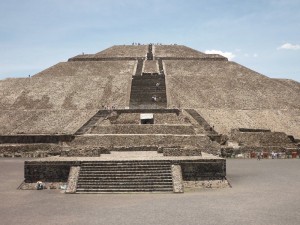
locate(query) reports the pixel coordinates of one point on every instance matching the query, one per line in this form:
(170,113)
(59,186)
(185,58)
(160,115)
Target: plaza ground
(263,192)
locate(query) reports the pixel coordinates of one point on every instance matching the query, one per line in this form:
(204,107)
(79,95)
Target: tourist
(157,85)
(259,156)
(39,185)
(273,155)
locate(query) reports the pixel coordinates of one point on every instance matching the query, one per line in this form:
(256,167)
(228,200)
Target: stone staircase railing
(139,68)
(92,121)
(201,121)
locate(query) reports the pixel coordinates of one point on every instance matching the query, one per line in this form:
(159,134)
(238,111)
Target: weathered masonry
(144,118)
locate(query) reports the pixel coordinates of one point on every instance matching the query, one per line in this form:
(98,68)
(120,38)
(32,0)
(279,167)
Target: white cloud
(289,46)
(228,55)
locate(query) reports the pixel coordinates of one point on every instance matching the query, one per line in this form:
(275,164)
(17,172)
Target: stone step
(127,162)
(125,168)
(123,190)
(123,175)
(149,101)
(149,104)
(147,95)
(141,90)
(148,83)
(147,87)
(148,77)
(123,178)
(126,181)
(127,186)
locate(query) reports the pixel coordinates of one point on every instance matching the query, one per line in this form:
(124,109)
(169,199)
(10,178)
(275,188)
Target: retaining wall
(203,170)
(141,140)
(47,171)
(29,150)
(143,129)
(260,138)
(18,139)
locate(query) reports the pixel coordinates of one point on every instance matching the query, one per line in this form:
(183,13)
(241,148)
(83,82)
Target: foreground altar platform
(136,171)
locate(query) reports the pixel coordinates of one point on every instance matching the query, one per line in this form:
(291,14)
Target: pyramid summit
(158,103)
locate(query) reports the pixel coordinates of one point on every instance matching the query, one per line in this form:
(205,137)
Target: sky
(263,35)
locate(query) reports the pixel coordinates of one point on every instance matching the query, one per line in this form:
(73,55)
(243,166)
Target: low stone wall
(182,152)
(47,171)
(135,148)
(29,150)
(204,184)
(205,170)
(252,152)
(84,151)
(260,138)
(18,139)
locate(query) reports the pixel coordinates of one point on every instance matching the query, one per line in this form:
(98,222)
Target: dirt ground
(263,192)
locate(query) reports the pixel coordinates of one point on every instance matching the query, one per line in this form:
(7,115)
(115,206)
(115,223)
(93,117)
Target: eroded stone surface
(73,179)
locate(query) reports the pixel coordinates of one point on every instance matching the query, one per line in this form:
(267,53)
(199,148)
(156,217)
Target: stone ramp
(125,176)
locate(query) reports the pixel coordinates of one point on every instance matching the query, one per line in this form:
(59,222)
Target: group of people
(274,155)
(137,43)
(109,107)
(154,98)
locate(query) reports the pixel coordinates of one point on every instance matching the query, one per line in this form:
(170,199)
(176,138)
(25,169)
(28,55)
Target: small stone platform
(133,171)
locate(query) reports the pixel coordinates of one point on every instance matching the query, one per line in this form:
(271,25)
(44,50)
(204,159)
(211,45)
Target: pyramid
(169,99)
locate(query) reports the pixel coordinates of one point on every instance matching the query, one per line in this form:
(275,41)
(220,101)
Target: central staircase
(125,176)
(144,87)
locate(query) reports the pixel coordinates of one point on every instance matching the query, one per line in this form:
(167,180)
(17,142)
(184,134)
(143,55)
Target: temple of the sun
(144,118)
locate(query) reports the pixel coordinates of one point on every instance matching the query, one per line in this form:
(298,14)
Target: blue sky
(263,35)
